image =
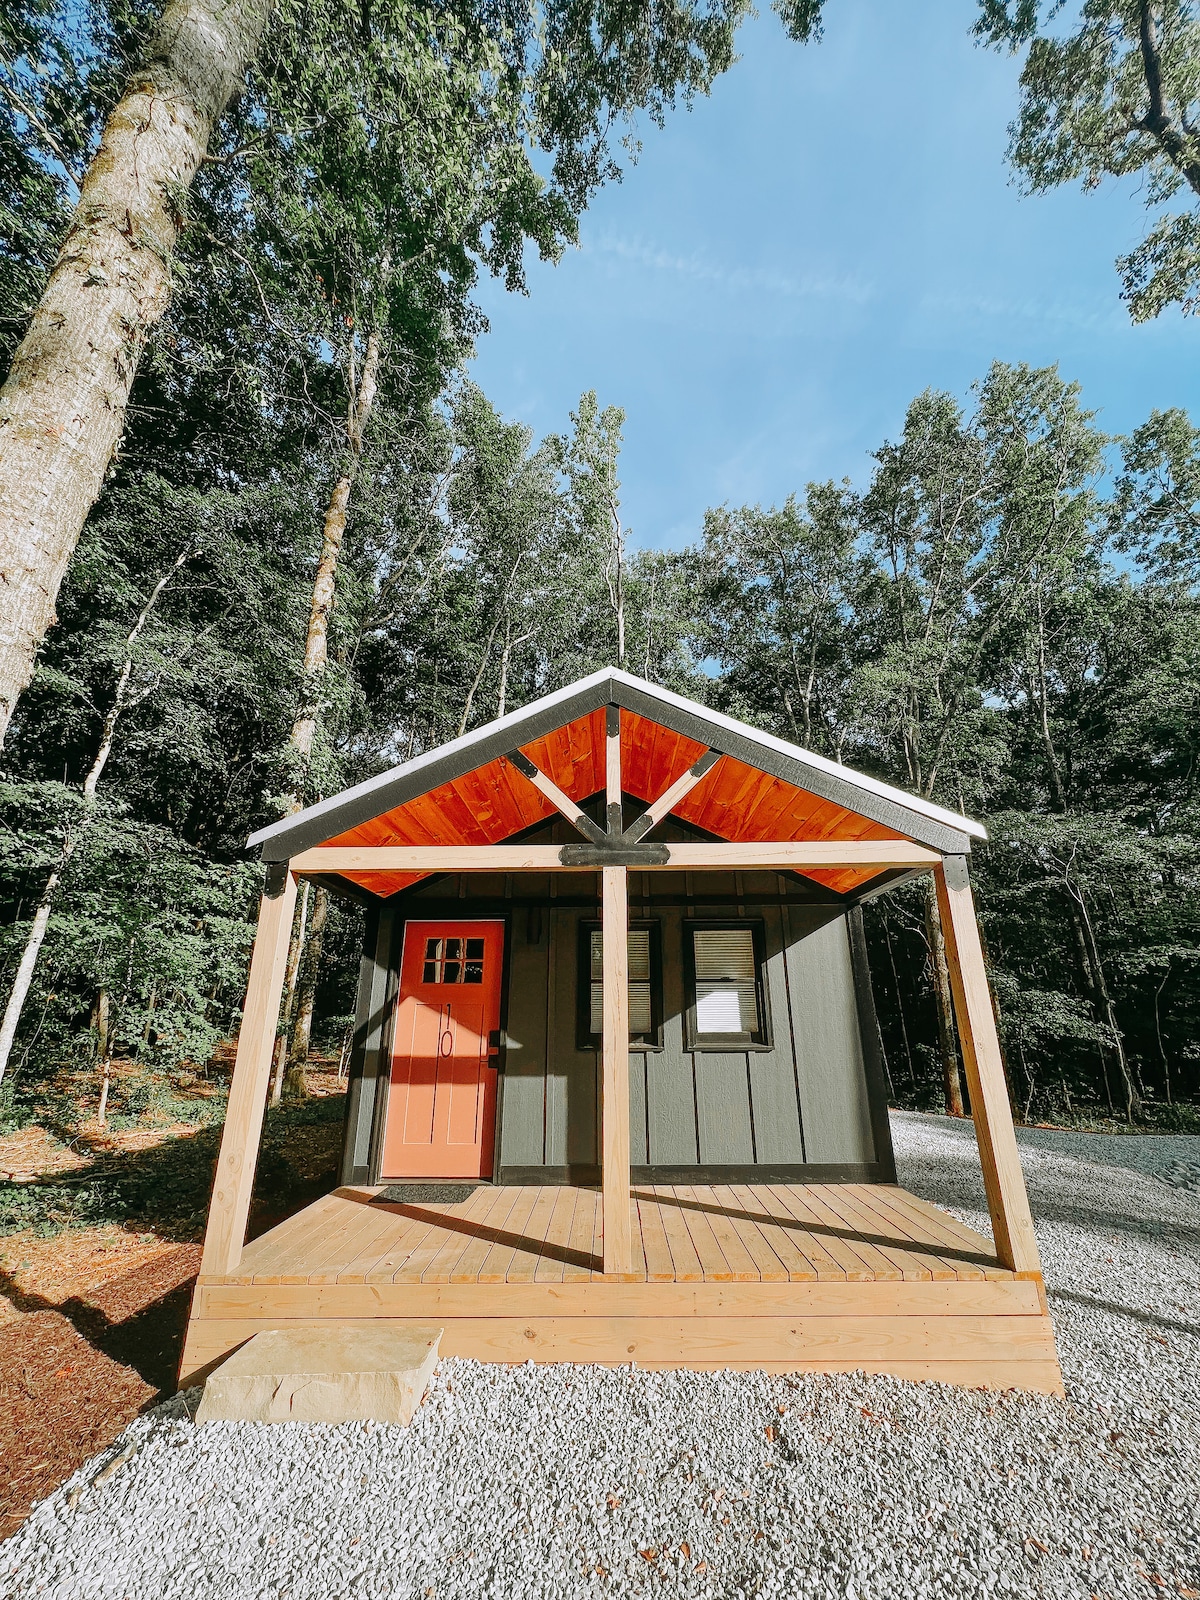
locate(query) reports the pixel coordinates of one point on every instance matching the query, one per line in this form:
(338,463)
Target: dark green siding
(809,1102)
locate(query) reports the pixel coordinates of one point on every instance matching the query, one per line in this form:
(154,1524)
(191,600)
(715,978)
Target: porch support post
(230,1207)
(614,1090)
(1008,1202)
(614,1098)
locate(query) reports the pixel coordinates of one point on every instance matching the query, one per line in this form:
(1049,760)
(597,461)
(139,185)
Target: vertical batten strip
(230,1207)
(1008,1201)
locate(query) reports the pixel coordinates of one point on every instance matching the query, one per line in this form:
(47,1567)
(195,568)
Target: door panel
(441,1118)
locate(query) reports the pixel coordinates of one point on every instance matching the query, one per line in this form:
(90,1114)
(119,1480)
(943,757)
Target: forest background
(320,550)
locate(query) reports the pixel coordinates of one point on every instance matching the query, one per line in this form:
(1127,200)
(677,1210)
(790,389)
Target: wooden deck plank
(829,1233)
(467,1268)
(280,1255)
(558,1237)
(713,1263)
(742,1264)
(659,1266)
(828,1266)
(583,1237)
(869,1202)
(772,1220)
(955,1233)
(354,1230)
(406,1222)
(524,1264)
(876,1234)
(770,1268)
(457,1258)
(495,1264)
(685,1260)
(440,1265)
(609,1296)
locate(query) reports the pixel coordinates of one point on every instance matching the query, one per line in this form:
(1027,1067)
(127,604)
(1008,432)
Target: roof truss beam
(795,855)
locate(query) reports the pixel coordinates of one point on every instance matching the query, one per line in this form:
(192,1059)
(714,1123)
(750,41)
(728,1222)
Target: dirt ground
(92,1319)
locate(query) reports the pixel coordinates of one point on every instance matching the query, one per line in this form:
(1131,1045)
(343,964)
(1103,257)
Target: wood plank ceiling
(492,803)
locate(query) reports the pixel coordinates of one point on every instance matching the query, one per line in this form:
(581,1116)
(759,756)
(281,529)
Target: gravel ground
(540,1482)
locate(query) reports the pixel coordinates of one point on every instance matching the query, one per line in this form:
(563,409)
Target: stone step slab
(330,1374)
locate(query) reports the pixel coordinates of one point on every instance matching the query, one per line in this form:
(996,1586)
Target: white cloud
(735,280)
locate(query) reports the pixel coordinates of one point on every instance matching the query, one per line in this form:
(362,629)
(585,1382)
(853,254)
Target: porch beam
(545,786)
(242,1133)
(826,854)
(670,798)
(1008,1200)
(614,1093)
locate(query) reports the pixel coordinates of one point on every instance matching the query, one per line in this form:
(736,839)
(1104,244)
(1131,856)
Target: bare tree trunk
(1166,1064)
(62,409)
(912,1076)
(295,951)
(316,643)
(1104,1004)
(943,1004)
(41,919)
(316,653)
(306,996)
(100,1022)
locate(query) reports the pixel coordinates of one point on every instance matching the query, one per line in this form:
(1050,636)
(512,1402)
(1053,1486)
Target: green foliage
(167,1187)
(958,627)
(1116,96)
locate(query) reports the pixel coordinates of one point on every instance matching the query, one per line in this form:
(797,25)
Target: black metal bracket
(614,853)
(276,879)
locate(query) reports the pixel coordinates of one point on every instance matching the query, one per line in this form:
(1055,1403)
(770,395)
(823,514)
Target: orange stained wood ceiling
(733,801)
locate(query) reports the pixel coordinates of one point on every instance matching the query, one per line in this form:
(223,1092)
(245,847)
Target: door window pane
(445,963)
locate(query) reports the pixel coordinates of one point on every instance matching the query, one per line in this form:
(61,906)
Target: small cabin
(616,1090)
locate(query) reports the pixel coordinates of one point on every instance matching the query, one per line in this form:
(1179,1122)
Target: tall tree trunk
(316,657)
(316,643)
(62,409)
(306,996)
(912,1076)
(71,841)
(943,1004)
(1104,1004)
(295,952)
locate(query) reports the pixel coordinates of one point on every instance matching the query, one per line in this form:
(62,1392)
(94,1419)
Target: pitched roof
(765,788)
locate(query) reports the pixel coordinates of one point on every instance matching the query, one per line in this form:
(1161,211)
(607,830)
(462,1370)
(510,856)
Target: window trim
(585,1039)
(695,1041)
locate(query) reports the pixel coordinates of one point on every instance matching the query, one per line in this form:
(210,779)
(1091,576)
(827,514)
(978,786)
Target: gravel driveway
(572,1481)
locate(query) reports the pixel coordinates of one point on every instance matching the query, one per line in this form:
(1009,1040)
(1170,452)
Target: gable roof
(463,792)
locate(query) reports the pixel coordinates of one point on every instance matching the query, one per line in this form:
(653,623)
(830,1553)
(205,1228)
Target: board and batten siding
(809,1103)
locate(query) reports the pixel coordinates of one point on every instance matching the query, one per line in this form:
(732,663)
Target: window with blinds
(643,1011)
(725,1005)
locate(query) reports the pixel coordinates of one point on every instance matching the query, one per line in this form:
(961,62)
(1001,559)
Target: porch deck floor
(751,1233)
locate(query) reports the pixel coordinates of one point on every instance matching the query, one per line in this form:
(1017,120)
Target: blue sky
(832,231)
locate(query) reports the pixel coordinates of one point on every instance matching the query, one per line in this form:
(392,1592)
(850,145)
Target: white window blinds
(726,991)
(641,1018)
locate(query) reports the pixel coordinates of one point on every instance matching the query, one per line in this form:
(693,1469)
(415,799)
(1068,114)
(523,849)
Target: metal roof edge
(807,758)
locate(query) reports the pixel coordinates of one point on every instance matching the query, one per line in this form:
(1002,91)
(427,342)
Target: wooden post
(230,1207)
(614,1090)
(1008,1202)
(614,1099)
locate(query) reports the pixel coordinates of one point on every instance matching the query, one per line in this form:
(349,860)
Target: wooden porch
(781,1277)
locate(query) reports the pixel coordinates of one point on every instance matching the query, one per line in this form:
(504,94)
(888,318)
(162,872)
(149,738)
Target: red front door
(441,1118)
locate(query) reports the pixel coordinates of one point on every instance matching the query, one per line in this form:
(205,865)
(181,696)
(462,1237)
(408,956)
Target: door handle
(495,1041)
(445,1034)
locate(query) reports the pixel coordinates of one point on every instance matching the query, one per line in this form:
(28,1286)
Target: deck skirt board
(824,1277)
